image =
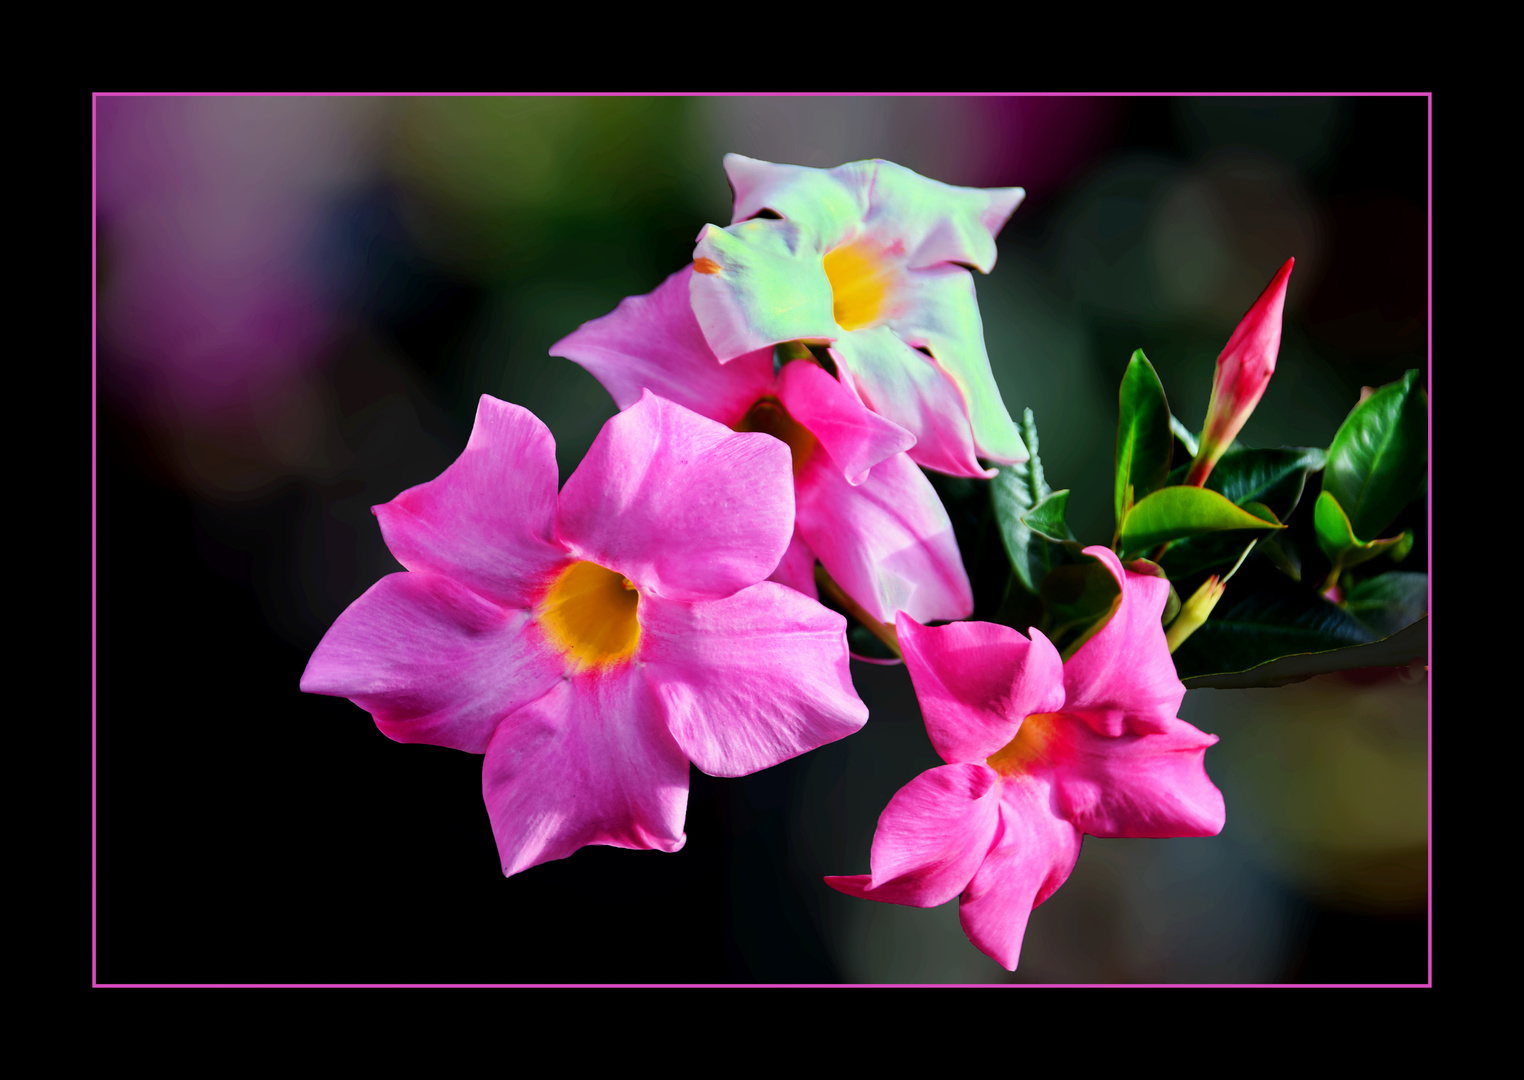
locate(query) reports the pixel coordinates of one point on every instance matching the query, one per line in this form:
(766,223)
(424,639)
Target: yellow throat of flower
(589,614)
(859,285)
(1028,749)
(769,416)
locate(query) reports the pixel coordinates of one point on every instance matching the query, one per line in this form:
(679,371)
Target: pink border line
(94,524)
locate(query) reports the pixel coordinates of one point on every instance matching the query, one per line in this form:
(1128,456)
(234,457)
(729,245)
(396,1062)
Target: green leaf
(1389,602)
(1016,492)
(1377,461)
(1144,442)
(1173,513)
(1046,519)
(1197,554)
(1273,477)
(1408,644)
(1337,538)
(1252,628)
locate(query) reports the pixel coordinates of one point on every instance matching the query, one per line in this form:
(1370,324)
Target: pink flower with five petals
(1039,752)
(861,505)
(871,259)
(592,643)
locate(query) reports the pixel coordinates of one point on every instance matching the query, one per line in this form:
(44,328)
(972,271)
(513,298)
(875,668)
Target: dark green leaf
(1389,602)
(1282,552)
(1173,513)
(1047,518)
(1144,442)
(1014,493)
(1252,628)
(1408,644)
(1078,599)
(1377,461)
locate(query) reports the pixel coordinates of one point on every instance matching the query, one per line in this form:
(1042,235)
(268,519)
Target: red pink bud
(1243,371)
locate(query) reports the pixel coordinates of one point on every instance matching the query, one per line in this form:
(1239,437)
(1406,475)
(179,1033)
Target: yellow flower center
(589,614)
(769,416)
(859,285)
(1028,749)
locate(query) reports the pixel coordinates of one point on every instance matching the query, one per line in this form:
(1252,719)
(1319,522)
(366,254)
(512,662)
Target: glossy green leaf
(1016,492)
(1211,551)
(1405,646)
(1144,441)
(1173,513)
(1403,545)
(1378,459)
(1337,537)
(1250,628)
(1273,477)
(1388,602)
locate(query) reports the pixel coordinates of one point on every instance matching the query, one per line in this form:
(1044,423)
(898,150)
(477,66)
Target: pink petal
(855,438)
(888,542)
(932,836)
(750,680)
(937,310)
(432,661)
(1033,855)
(977,682)
(680,504)
(1134,785)
(907,387)
(654,342)
(935,222)
(797,567)
(759,283)
(589,763)
(831,203)
(938,222)
(488,520)
(1122,681)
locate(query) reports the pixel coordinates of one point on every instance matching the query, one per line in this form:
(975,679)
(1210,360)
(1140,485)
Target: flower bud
(1194,611)
(1243,371)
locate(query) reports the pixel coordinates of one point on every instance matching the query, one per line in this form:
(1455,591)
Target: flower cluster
(781,397)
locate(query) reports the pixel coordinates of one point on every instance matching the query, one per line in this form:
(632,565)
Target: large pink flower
(594,642)
(1038,753)
(862,506)
(871,259)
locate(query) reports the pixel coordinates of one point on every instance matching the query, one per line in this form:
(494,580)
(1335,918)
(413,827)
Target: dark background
(300,301)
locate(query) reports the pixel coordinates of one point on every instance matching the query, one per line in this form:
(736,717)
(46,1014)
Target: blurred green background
(300,301)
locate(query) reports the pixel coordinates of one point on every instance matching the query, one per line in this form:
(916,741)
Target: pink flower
(1038,752)
(1243,371)
(862,506)
(592,643)
(869,258)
